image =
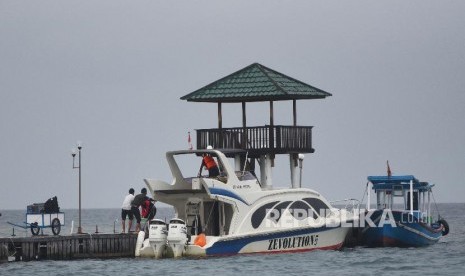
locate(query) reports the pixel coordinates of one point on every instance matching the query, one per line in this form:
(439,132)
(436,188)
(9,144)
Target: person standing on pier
(126,211)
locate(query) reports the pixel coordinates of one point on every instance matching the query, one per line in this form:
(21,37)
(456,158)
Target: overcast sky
(110,74)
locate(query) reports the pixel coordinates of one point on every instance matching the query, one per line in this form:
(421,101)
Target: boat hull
(300,240)
(407,232)
(295,240)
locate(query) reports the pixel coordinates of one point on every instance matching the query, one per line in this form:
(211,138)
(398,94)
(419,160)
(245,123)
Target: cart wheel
(35,229)
(56,226)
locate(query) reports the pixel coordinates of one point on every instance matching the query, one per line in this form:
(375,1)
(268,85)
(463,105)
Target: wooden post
(220,126)
(244,127)
(294,156)
(294,111)
(220,116)
(271,134)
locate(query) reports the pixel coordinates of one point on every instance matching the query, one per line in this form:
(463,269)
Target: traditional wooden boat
(402,217)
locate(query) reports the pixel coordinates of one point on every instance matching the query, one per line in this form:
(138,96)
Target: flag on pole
(389,173)
(189,140)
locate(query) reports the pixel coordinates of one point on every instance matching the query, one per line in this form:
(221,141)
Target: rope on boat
(245,162)
(363,197)
(435,204)
(209,216)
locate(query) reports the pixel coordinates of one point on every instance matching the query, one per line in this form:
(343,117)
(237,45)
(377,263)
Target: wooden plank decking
(68,247)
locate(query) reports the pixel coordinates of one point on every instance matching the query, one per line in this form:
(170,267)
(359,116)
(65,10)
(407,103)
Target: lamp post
(73,153)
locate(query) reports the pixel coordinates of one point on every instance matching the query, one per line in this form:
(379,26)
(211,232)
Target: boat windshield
(190,165)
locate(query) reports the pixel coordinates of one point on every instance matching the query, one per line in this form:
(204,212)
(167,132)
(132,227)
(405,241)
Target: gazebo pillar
(220,126)
(244,127)
(266,171)
(294,111)
(293,162)
(271,133)
(220,116)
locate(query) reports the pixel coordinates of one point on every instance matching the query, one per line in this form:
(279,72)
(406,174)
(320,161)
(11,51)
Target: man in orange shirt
(210,164)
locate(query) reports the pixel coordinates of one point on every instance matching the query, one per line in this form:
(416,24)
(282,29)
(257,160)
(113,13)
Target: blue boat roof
(388,182)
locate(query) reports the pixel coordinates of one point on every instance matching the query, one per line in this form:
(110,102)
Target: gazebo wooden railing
(277,139)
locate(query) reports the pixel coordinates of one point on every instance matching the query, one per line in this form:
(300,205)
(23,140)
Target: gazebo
(257,83)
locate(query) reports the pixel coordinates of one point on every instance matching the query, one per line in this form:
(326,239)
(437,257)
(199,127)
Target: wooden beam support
(272,134)
(271,114)
(294,111)
(244,116)
(220,116)
(244,127)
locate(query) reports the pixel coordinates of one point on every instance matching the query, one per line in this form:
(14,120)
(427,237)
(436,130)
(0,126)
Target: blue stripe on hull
(223,192)
(398,236)
(233,246)
(405,234)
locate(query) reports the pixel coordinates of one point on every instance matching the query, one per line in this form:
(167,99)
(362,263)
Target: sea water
(447,257)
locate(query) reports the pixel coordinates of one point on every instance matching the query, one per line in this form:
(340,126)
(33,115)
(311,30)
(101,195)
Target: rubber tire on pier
(444,224)
(35,229)
(56,226)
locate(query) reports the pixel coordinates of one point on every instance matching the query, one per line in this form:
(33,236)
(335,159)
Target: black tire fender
(445,226)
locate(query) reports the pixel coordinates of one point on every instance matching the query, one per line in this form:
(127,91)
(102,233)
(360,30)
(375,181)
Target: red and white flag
(189,140)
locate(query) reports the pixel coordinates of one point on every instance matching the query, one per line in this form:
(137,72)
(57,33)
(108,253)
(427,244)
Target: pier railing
(262,139)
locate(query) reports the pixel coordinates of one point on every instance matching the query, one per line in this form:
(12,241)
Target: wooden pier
(67,247)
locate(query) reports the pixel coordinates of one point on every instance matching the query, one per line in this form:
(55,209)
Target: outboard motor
(177,236)
(157,236)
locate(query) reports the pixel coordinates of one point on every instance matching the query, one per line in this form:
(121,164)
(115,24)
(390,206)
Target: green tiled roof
(255,83)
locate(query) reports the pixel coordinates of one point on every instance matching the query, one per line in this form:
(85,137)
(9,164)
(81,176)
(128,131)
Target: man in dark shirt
(138,201)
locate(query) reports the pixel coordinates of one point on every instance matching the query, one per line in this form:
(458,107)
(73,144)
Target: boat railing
(276,139)
(352,205)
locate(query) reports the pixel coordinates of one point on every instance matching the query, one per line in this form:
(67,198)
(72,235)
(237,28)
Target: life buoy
(445,226)
(200,240)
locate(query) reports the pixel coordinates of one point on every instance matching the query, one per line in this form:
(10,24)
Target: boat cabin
(207,204)
(402,193)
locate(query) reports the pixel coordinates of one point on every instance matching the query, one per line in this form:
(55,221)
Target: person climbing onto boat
(136,203)
(148,209)
(209,163)
(126,211)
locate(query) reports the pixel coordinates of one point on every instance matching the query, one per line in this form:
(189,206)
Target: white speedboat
(235,214)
